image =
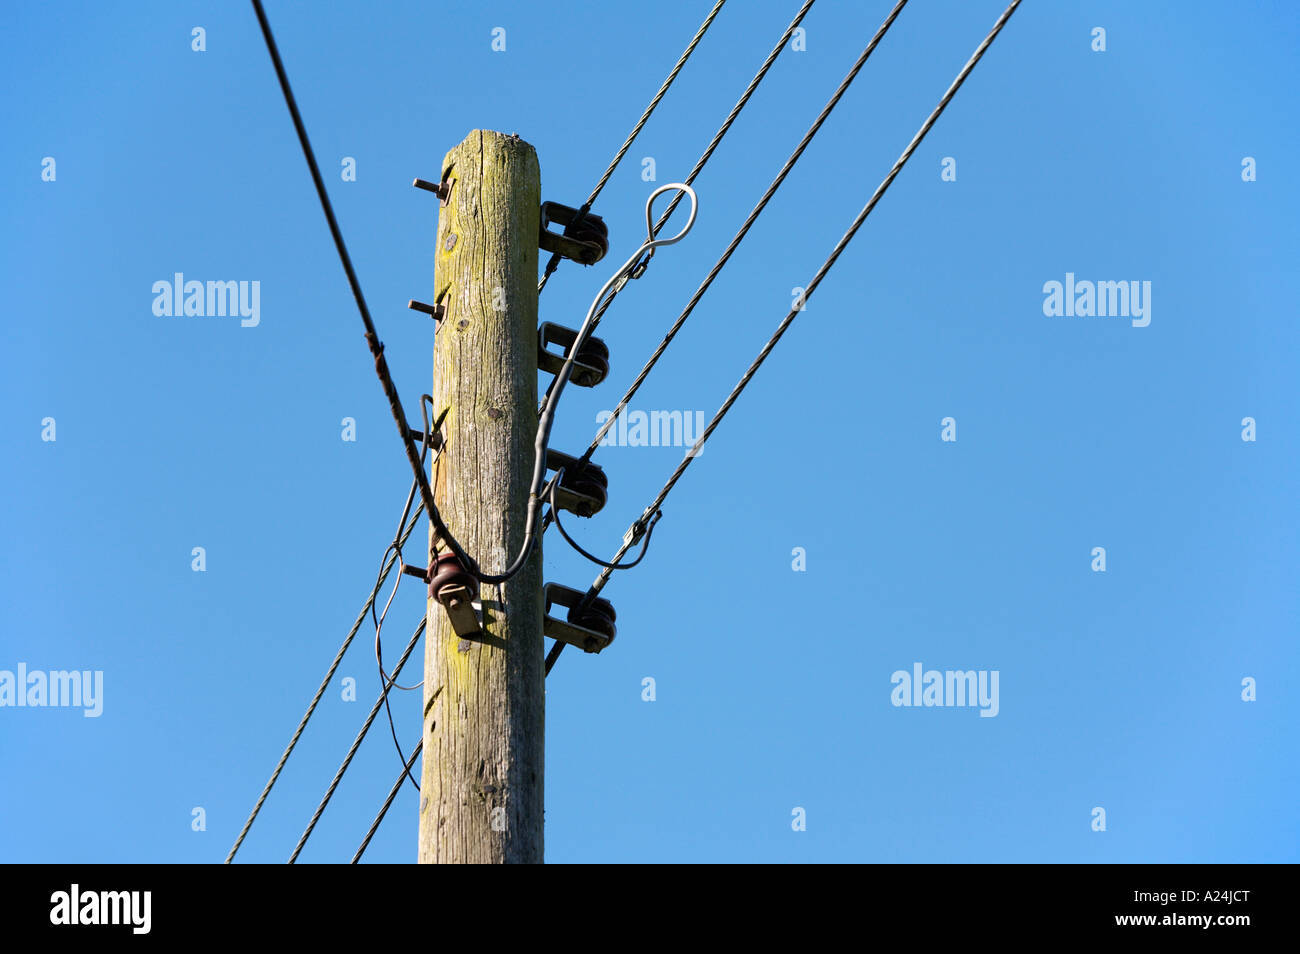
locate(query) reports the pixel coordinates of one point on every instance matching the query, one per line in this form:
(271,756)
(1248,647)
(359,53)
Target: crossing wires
(604,575)
(650,514)
(746,225)
(386,567)
(372,338)
(727,123)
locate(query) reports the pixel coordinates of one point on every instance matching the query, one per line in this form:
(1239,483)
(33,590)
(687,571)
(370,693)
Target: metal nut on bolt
(441,189)
(436,312)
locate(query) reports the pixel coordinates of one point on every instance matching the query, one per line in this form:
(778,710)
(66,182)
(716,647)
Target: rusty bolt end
(437,188)
(437,312)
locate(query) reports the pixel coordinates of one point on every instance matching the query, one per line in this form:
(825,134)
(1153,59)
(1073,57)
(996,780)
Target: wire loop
(641,529)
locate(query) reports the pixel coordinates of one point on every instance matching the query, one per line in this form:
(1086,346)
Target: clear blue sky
(1119,690)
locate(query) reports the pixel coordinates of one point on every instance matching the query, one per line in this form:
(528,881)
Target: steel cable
(604,575)
(356,744)
(636,131)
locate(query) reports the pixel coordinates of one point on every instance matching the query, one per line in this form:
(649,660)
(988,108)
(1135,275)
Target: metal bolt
(440,189)
(437,312)
(451,241)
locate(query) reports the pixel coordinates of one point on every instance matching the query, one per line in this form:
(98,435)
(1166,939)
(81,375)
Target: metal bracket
(441,189)
(417,438)
(584,497)
(561,630)
(436,312)
(585,243)
(589,367)
(463,610)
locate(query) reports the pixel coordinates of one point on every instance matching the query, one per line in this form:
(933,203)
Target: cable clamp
(640,527)
(639,268)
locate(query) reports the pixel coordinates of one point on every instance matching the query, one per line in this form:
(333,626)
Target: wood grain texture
(484,705)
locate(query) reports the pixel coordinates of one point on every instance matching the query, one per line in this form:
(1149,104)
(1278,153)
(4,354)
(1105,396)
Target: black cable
(647,528)
(392,794)
(627,143)
(372,338)
(604,575)
(356,744)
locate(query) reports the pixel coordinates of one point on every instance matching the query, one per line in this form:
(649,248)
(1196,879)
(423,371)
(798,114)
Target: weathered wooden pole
(484,706)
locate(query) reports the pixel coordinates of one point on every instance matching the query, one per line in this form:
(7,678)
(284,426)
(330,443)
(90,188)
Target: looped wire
(645,528)
(547,416)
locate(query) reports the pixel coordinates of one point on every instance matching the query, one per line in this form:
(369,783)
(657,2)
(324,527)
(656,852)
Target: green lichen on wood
(481,784)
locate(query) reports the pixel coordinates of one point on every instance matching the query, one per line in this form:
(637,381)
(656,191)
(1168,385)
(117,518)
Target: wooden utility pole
(484,706)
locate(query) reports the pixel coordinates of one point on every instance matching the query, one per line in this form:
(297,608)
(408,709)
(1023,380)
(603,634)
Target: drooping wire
(372,338)
(379,623)
(555,517)
(387,681)
(356,744)
(396,547)
(547,416)
(745,227)
(604,575)
(383,809)
(387,567)
(636,131)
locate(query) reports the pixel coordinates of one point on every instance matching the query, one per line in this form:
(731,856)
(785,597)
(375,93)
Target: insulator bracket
(585,242)
(583,488)
(591,629)
(591,363)
(457,590)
